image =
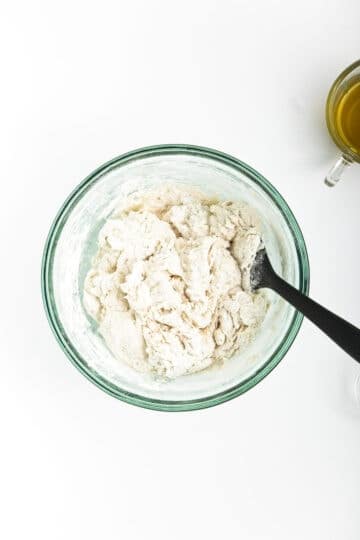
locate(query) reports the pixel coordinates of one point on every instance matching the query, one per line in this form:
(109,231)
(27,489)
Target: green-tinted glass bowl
(71,245)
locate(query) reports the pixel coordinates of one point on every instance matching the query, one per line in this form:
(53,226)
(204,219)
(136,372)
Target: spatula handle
(342,332)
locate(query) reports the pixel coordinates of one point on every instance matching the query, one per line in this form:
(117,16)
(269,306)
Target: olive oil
(347,117)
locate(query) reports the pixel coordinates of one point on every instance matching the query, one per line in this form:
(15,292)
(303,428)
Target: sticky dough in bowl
(72,244)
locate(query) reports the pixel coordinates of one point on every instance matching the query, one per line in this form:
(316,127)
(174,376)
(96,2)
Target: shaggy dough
(170,284)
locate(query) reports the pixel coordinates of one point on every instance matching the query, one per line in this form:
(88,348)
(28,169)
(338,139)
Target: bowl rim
(47,285)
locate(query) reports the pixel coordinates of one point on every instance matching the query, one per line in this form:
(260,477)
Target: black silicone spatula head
(260,270)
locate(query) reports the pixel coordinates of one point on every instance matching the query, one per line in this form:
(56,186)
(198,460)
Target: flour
(170,284)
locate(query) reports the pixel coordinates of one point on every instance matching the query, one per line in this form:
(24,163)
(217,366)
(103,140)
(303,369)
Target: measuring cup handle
(337,170)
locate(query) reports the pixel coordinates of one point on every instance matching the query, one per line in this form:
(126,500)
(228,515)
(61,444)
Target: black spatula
(343,333)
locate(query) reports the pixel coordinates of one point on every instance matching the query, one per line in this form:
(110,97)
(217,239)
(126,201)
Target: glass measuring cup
(343,120)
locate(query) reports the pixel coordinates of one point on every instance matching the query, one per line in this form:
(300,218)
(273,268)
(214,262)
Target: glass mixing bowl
(72,242)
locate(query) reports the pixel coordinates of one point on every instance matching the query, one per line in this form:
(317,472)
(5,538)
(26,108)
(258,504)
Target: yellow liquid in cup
(347,118)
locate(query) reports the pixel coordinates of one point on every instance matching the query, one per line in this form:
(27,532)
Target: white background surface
(81,83)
